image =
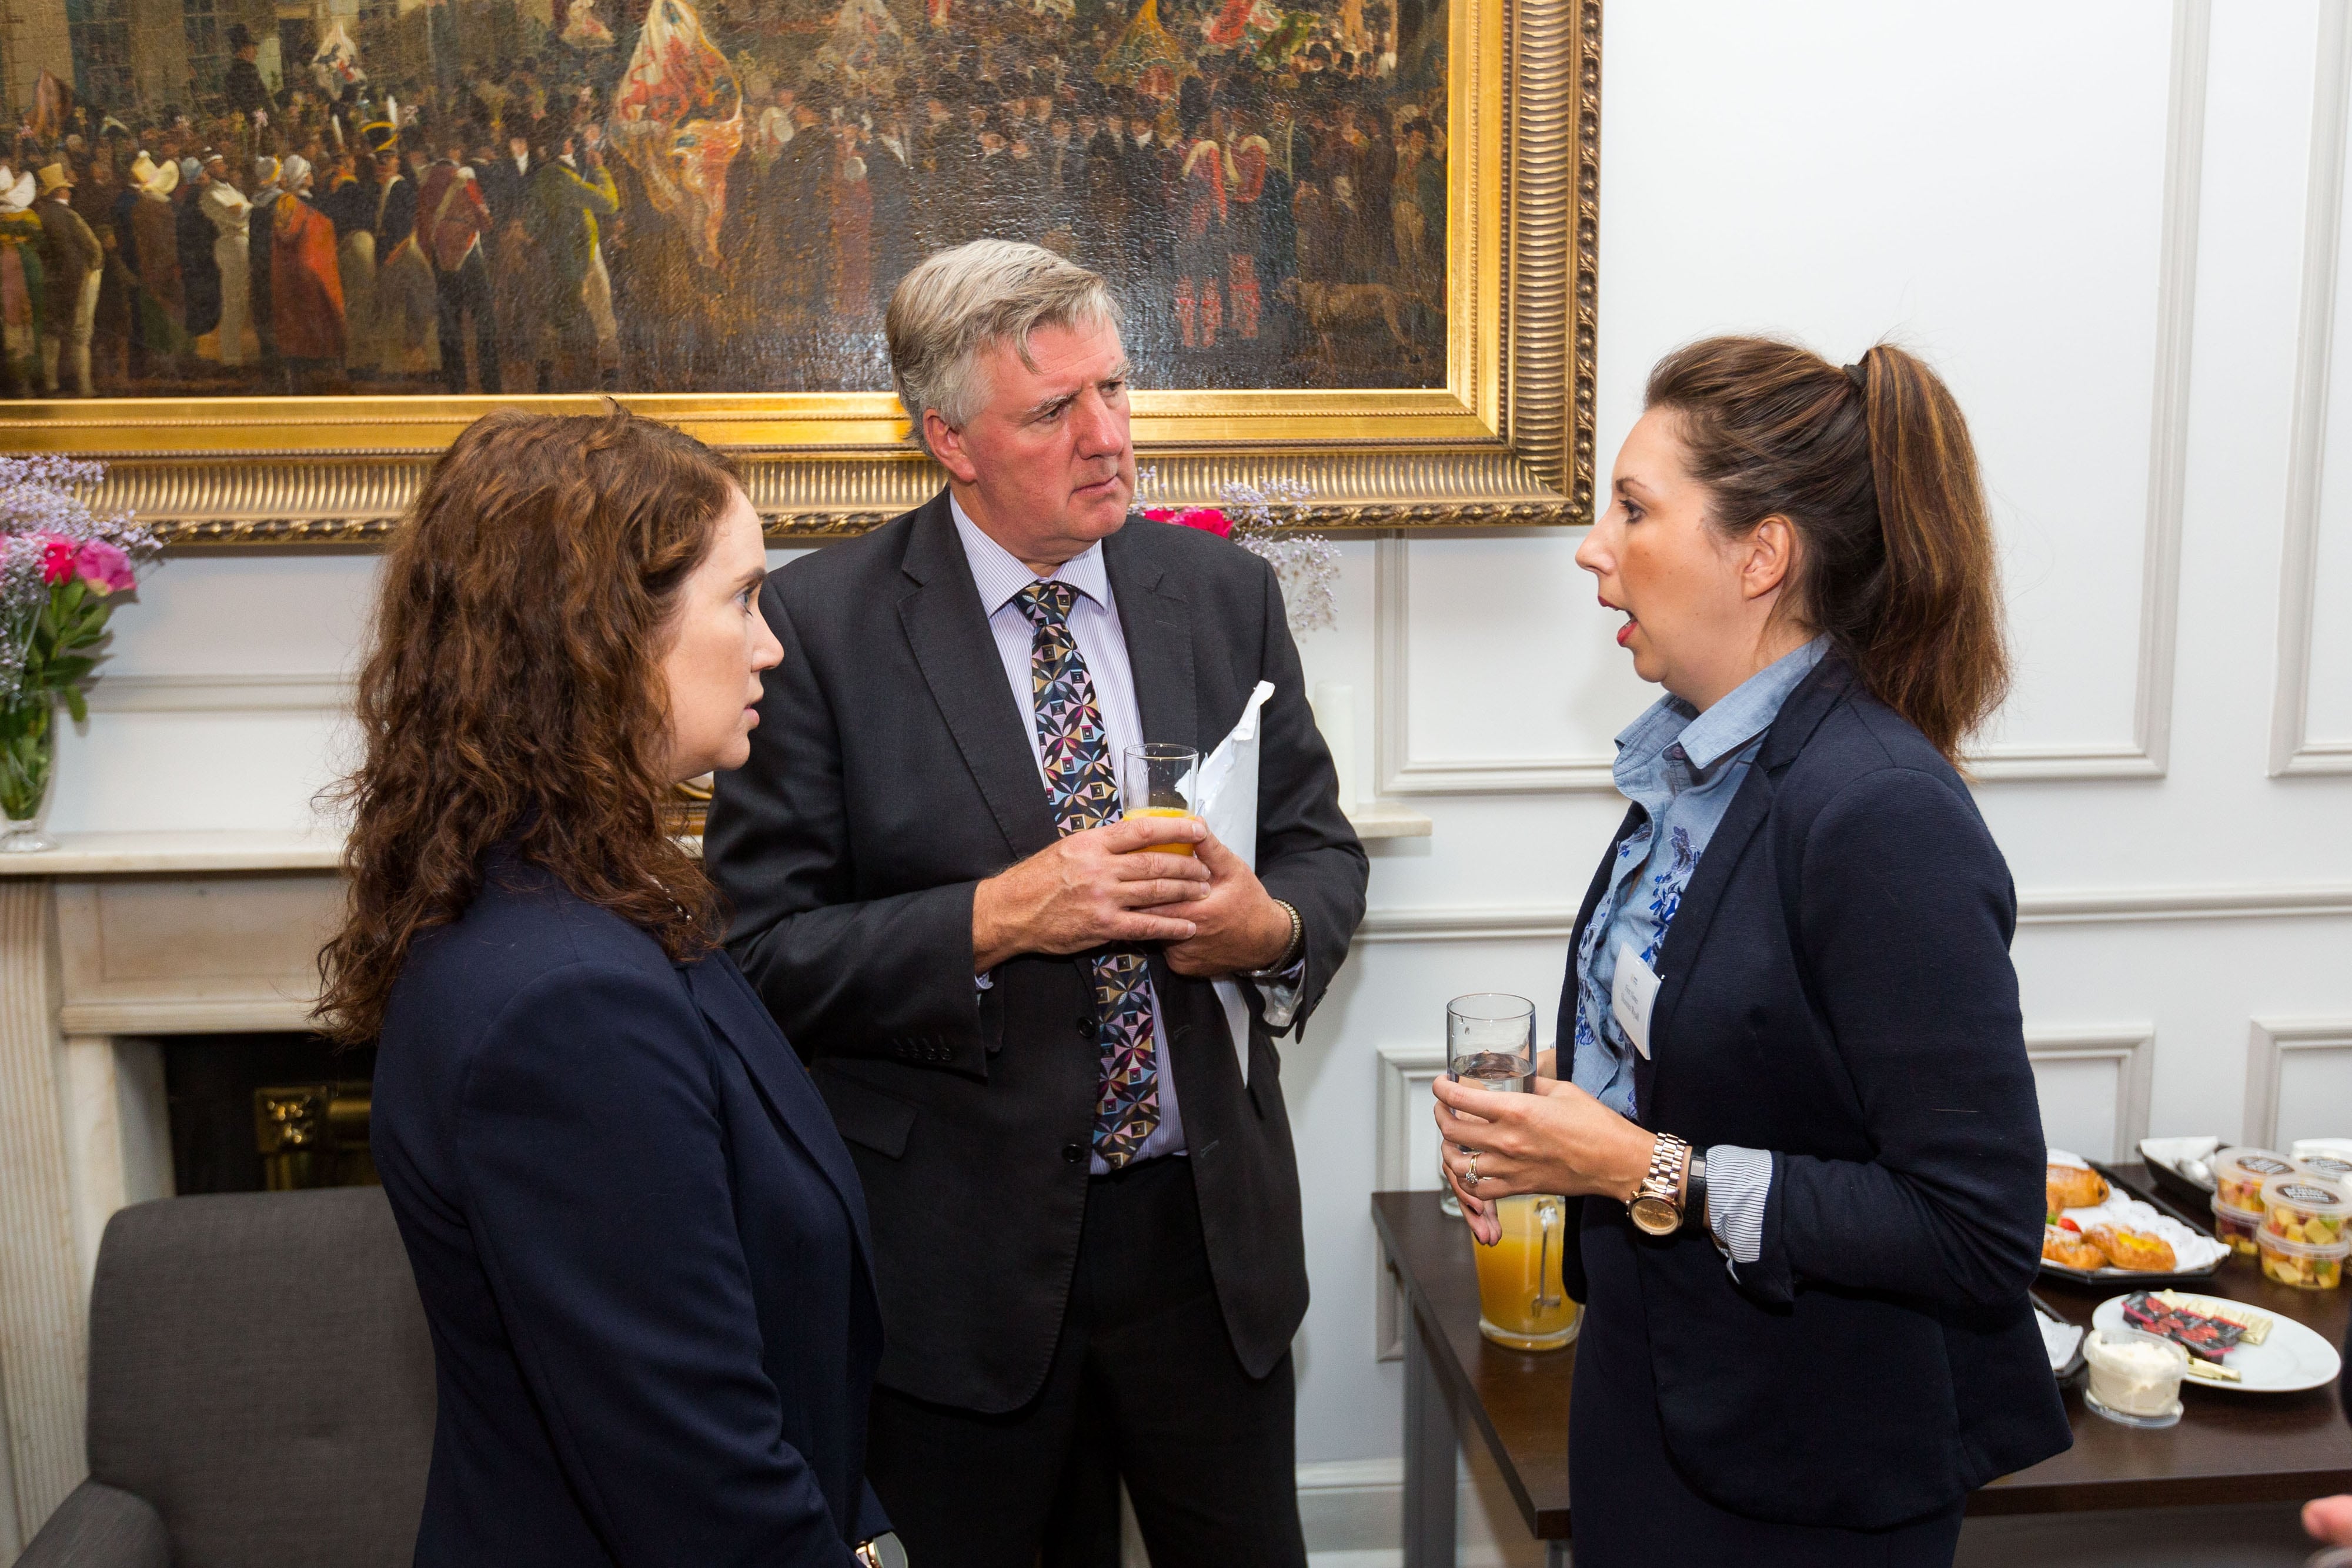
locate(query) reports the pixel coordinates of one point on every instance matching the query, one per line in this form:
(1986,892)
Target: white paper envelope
(1228,804)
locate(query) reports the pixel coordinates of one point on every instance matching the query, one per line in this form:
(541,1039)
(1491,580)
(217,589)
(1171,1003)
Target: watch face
(1655,1216)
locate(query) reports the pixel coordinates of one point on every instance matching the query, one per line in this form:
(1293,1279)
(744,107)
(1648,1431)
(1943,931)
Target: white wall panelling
(1407,1126)
(2094,1086)
(133,692)
(2096,907)
(2292,749)
(2167,456)
(2298,1080)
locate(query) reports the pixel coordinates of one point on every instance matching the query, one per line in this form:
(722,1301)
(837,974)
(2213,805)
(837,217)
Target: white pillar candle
(1333,703)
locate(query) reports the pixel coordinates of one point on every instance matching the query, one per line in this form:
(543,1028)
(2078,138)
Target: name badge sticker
(1631,994)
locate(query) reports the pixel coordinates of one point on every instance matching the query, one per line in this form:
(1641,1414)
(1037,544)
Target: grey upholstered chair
(260,1389)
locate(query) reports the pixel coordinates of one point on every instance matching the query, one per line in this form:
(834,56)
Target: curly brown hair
(513,695)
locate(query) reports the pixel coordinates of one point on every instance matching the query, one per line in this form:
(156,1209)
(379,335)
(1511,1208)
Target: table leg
(1429,1456)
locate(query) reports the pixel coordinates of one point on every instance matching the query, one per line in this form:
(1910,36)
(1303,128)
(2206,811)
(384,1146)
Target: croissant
(2071,1250)
(2072,1186)
(2134,1249)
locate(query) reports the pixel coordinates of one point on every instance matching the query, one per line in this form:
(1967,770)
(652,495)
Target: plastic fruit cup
(2304,1267)
(2239,1174)
(2308,1211)
(2236,1226)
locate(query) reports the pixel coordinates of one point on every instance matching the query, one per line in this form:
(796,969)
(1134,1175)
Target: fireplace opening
(266,1113)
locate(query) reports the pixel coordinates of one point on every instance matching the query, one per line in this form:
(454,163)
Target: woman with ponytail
(1793,1112)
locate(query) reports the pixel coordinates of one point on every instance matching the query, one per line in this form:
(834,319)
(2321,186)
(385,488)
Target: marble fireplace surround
(105,946)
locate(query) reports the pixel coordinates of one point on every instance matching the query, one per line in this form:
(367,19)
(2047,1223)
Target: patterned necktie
(1084,792)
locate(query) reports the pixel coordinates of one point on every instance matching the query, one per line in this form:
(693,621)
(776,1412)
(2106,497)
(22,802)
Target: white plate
(2292,1357)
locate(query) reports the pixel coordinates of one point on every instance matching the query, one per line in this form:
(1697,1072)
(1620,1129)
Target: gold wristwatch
(1657,1205)
(882,1551)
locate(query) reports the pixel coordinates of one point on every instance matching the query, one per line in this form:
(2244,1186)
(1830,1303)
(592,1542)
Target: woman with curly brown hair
(641,1245)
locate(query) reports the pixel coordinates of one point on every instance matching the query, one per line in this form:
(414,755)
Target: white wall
(2102,221)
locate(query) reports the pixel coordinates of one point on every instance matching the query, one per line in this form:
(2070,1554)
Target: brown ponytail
(1874,466)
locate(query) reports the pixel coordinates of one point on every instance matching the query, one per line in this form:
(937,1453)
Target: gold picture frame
(1508,441)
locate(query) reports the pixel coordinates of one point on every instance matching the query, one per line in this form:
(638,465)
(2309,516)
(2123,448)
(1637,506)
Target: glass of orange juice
(1521,1302)
(1157,781)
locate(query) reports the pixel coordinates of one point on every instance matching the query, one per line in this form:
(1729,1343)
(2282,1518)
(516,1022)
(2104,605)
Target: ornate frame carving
(1508,441)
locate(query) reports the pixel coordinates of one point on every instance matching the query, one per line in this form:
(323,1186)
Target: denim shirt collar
(1674,728)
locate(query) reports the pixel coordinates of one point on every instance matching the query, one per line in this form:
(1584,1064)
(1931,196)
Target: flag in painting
(677,116)
(336,65)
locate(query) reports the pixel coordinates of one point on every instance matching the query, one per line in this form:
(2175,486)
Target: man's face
(1046,467)
(518,147)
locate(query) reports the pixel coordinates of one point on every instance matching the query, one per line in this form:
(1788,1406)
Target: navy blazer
(641,1246)
(1836,987)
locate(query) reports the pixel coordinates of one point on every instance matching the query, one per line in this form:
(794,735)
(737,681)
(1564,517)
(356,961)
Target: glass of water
(1490,1040)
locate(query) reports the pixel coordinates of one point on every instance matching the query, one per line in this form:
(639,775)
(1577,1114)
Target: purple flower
(104,567)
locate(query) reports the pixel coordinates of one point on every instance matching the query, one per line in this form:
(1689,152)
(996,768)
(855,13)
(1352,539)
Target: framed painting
(266,259)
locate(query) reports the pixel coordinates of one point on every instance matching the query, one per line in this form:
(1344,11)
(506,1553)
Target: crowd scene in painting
(724,203)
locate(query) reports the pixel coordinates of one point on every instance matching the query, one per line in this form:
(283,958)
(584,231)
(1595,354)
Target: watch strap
(1664,1180)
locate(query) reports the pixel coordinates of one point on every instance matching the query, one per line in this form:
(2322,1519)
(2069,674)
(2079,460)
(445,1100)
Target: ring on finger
(1475,1177)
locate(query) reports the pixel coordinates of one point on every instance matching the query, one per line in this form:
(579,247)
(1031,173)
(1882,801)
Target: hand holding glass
(1157,781)
(1490,1039)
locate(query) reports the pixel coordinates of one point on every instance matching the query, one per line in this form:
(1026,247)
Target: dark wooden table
(2229,1447)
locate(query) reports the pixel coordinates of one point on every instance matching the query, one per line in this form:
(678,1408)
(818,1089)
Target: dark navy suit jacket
(641,1246)
(1836,987)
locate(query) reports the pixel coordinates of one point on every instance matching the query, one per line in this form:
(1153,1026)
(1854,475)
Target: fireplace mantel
(132,855)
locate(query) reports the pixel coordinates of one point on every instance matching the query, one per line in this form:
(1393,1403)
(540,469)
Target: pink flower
(1208,519)
(104,567)
(57,561)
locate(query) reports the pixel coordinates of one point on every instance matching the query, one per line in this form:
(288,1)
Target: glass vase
(28,756)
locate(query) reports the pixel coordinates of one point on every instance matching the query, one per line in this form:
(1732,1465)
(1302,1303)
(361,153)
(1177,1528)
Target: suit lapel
(1158,625)
(948,633)
(732,1008)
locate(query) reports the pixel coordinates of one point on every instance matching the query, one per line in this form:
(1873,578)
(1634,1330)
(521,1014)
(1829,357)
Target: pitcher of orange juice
(1521,1303)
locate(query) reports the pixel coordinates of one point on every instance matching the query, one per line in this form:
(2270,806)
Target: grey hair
(959,302)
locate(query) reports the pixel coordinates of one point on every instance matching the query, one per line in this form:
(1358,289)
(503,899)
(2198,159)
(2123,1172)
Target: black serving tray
(2183,1193)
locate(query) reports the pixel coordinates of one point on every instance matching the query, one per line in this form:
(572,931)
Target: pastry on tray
(2073,1187)
(2071,1249)
(2136,1250)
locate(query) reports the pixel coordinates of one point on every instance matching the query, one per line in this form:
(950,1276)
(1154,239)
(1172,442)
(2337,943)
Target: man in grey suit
(1086,1203)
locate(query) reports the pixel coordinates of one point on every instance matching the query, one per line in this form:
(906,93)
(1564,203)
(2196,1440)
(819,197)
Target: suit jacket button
(1072,1153)
(1087,1027)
